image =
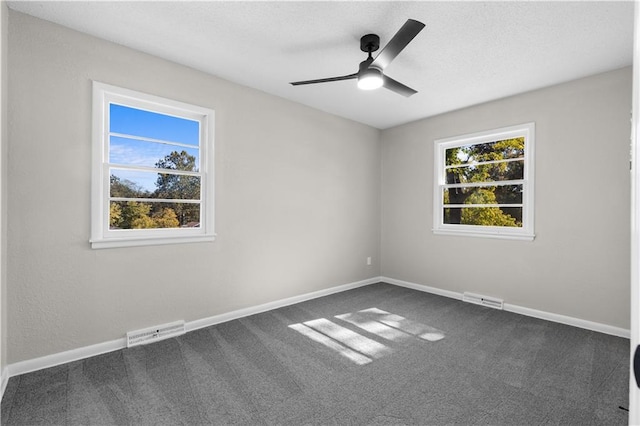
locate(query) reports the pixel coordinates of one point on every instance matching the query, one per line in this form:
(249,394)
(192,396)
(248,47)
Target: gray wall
(297,201)
(578,265)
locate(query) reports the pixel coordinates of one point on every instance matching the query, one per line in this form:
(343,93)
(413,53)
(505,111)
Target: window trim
(526,232)
(101,235)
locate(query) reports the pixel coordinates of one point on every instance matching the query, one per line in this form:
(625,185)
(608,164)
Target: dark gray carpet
(380,354)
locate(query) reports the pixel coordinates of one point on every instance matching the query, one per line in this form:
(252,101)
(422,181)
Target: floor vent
(491,302)
(155,334)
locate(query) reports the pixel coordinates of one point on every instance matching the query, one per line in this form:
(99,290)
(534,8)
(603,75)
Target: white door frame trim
(634,392)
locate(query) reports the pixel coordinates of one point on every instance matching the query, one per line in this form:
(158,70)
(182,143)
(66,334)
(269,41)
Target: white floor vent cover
(155,334)
(478,299)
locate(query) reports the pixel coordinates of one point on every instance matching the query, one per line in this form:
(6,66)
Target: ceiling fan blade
(396,86)
(325,80)
(409,30)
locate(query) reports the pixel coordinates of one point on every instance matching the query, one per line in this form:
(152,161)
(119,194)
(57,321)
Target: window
(152,179)
(484,184)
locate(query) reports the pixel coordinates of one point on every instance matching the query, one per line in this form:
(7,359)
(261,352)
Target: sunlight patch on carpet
(414,328)
(331,344)
(359,348)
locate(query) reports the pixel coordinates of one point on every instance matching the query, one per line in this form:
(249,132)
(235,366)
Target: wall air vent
(155,334)
(478,299)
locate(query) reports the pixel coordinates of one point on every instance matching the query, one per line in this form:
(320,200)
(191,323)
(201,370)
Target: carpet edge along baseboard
(52,360)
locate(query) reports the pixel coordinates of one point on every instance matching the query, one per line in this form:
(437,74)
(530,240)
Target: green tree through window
(487,162)
(146,215)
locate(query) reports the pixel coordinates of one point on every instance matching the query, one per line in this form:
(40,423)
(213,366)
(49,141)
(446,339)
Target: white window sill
(485,234)
(135,242)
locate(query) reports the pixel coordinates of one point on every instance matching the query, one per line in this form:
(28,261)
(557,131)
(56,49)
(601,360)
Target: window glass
(138,122)
(131,151)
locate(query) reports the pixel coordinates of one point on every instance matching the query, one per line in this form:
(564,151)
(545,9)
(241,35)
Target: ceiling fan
(370,75)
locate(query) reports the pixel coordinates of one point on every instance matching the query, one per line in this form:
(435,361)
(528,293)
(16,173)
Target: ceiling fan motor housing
(365,65)
(369,43)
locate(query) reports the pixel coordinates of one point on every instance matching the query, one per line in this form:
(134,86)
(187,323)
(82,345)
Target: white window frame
(101,235)
(526,232)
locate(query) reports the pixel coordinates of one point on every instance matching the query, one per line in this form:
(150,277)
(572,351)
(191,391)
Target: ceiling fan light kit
(370,79)
(371,75)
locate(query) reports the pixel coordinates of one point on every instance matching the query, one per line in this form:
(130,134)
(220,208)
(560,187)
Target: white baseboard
(425,288)
(241,313)
(563,319)
(35,364)
(4,379)
(48,361)
(88,351)
(549,316)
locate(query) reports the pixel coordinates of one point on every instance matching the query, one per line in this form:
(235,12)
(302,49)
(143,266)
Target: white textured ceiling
(469,52)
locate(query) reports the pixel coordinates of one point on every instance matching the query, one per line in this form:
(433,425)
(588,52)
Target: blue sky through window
(137,122)
(146,124)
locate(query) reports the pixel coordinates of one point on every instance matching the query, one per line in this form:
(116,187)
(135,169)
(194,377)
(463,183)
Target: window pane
(495,172)
(137,122)
(490,151)
(142,215)
(179,187)
(139,184)
(132,184)
(504,194)
(150,154)
(484,216)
